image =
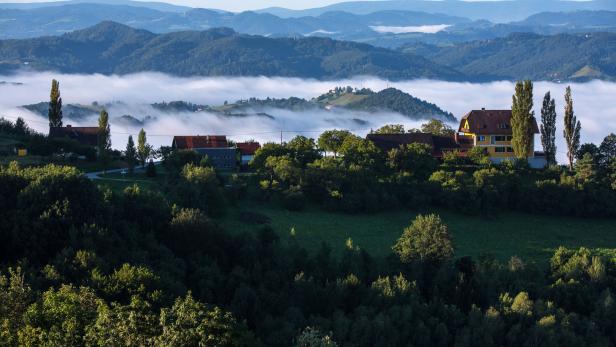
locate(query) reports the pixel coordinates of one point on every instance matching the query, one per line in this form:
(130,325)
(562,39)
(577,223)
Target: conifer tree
(104,138)
(521,119)
(55,105)
(572,129)
(144,150)
(548,128)
(130,154)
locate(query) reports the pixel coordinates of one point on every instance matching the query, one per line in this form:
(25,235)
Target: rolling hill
(365,100)
(110,48)
(530,56)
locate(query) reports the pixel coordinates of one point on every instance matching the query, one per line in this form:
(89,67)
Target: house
(216,147)
(491,129)
(247,151)
(439,144)
(87,136)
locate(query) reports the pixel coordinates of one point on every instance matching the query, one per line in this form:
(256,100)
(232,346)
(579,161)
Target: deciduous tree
(437,127)
(390,129)
(55,105)
(130,154)
(426,239)
(548,128)
(331,140)
(144,150)
(104,139)
(521,119)
(572,129)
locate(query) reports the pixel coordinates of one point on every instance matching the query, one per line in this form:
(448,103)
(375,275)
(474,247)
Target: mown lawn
(531,237)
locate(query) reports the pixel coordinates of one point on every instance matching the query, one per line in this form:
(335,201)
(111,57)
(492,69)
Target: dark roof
(248,148)
(87,136)
(193,142)
(387,142)
(489,122)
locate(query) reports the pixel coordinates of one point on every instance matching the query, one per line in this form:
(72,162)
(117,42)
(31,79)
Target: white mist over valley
(594,104)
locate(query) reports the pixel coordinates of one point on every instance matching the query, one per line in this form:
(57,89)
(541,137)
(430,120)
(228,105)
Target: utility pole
(281,137)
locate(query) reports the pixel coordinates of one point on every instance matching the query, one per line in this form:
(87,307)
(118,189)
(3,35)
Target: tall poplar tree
(572,129)
(55,105)
(104,138)
(548,128)
(521,119)
(130,154)
(144,150)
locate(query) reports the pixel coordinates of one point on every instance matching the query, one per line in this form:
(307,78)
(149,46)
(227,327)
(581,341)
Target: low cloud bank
(424,29)
(594,104)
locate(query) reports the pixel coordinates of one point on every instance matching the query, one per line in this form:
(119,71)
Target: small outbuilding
(216,147)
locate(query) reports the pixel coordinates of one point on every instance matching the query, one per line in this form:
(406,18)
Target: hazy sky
(232,5)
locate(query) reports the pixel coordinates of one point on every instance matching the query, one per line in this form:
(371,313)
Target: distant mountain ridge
(578,57)
(495,11)
(112,48)
(383,28)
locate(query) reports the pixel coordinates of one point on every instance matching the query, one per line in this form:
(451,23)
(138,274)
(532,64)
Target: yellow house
(492,129)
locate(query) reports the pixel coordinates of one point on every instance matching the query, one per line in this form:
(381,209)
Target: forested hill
(346,98)
(115,48)
(560,57)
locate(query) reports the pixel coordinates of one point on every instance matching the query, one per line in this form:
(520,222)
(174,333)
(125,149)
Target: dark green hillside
(531,56)
(114,48)
(392,99)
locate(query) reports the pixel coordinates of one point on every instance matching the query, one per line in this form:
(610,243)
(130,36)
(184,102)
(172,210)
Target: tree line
(82,265)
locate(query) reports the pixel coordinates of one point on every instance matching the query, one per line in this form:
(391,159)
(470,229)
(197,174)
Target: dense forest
(580,57)
(86,265)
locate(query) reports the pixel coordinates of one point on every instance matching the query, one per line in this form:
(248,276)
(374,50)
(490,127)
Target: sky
(232,5)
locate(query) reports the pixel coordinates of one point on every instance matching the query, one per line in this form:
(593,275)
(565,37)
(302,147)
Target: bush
(150,170)
(293,199)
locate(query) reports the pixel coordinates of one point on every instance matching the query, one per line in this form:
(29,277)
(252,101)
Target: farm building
(439,144)
(87,136)
(247,151)
(216,147)
(491,129)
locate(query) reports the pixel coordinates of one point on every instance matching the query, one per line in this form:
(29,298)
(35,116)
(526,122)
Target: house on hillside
(491,129)
(216,147)
(439,144)
(86,136)
(247,151)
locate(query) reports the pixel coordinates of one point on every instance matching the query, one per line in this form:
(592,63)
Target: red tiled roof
(84,135)
(248,148)
(490,122)
(194,142)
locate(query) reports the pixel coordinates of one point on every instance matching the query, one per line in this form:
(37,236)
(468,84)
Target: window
(500,138)
(509,149)
(481,138)
(499,149)
(509,138)
(503,126)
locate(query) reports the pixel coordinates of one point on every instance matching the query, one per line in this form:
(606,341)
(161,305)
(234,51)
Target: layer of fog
(424,29)
(594,104)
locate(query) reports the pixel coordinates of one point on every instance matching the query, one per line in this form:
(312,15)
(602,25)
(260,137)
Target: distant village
(489,129)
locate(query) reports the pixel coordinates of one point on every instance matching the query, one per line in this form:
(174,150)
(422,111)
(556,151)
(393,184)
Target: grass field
(83,165)
(531,237)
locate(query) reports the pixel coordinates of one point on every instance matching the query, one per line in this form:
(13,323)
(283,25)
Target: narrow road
(96,175)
